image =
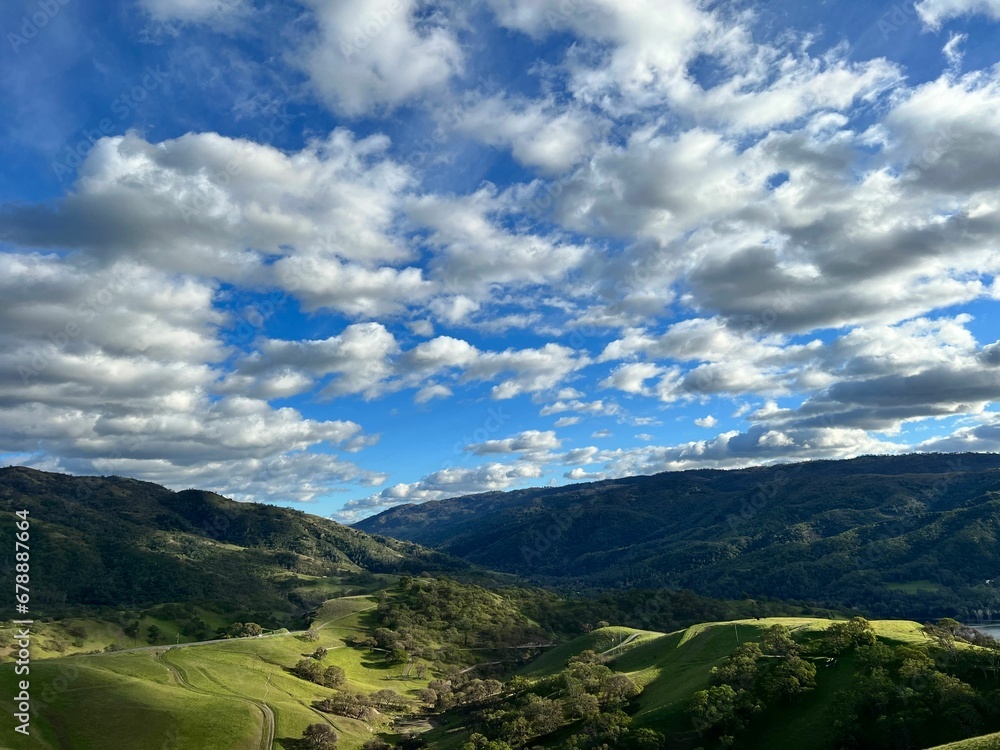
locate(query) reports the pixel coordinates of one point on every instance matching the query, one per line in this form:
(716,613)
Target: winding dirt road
(267,727)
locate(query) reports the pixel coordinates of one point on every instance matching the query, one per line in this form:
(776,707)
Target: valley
(300,630)
(244,693)
(914,536)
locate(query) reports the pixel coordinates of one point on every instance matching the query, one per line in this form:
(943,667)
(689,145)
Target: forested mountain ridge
(914,535)
(499,667)
(113,541)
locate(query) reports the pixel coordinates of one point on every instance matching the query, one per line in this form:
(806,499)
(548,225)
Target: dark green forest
(901,536)
(728,647)
(117,542)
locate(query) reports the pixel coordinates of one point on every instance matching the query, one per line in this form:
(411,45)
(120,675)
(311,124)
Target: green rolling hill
(987,742)
(236,695)
(459,677)
(361,637)
(671,668)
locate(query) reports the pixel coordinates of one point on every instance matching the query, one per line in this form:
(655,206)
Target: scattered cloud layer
(934,12)
(414,249)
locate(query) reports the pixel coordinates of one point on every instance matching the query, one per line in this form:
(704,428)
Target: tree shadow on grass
(368,619)
(376,660)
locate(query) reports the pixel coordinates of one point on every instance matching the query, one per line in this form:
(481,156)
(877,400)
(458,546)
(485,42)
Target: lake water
(992,628)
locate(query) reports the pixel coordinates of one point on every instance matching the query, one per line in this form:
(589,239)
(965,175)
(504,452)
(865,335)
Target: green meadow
(241,694)
(671,667)
(206,697)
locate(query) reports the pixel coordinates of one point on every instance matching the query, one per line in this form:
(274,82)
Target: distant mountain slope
(111,541)
(913,535)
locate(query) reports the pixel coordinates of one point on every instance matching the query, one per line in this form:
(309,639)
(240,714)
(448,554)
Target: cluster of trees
(902,696)
(361,706)
(945,691)
(753,677)
(319,737)
(185,617)
(461,614)
(907,696)
(614,729)
(947,632)
(586,694)
(312,670)
(458,691)
(396,646)
(197,629)
(438,619)
(610,729)
(590,687)
(411,741)
(244,630)
(521,718)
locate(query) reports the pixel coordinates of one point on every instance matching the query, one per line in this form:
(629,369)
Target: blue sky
(343,255)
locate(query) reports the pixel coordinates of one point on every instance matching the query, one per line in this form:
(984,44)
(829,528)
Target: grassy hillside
(892,535)
(206,696)
(988,742)
(675,666)
(119,543)
(248,692)
(615,640)
(460,671)
(383,648)
(671,669)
